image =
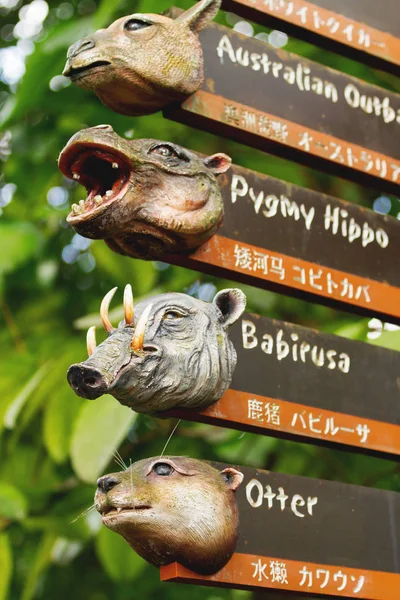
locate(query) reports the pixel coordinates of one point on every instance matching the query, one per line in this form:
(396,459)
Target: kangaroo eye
(165,151)
(135,25)
(162,469)
(172,314)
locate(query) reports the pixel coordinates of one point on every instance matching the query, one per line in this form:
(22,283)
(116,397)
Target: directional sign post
(287,238)
(363,29)
(311,537)
(298,383)
(287,105)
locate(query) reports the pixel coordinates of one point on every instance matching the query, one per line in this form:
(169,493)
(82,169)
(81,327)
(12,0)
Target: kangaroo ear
(218,163)
(231,304)
(232,478)
(197,17)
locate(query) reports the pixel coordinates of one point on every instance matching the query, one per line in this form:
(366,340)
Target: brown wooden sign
(296,240)
(298,383)
(282,103)
(312,537)
(363,29)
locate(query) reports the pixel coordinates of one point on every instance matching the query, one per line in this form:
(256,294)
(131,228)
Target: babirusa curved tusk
(128,304)
(104,310)
(138,338)
(91,340)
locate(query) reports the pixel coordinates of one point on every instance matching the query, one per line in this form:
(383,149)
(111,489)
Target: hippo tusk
(128,305)
(138,338)
(91,340)
(104,310)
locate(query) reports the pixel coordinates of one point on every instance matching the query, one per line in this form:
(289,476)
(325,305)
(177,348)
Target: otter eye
(172,314)
(163,469)
(135,25)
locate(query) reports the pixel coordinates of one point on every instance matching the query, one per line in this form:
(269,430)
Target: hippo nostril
(107,483)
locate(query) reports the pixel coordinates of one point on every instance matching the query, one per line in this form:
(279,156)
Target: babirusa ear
(218,163)
(197,17)
(231,304)
(232,478)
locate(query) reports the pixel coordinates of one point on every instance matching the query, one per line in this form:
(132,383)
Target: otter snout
(107,483)
(86,381)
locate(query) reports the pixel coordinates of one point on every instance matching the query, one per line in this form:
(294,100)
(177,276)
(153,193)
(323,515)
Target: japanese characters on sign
(319,519)
(364,25)
(282,103)
(298,383)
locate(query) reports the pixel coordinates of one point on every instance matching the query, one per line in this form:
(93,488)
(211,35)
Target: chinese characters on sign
(345,154)
(276,571)
(269,413)
(319,279)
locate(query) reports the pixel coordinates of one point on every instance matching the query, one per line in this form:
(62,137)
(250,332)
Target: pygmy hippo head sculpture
(174,353)
(146,198)
(143,62)
(173,509)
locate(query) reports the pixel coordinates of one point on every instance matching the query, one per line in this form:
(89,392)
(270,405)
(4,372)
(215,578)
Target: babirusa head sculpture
(171,351)
(173,509)
(146,198)
(143,62)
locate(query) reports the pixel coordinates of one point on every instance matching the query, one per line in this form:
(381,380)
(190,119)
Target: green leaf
(18,243)
(6,566)
(13,505)
(61,411)
(40,564)
(120,562)
(388,339)
(99,429)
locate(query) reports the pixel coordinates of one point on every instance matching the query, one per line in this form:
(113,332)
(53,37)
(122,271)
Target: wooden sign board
(363,29)
(301,384)
(287,105)
(281,236)
(311,537)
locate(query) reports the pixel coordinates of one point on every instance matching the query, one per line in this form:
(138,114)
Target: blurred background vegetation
(53,444)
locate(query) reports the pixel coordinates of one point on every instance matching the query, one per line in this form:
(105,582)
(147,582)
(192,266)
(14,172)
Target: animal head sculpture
(175,352)
(146,198)
(173,509)
(143,62)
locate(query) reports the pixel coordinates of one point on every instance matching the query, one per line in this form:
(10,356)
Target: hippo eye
(165,151)
(163,469)
(135,25)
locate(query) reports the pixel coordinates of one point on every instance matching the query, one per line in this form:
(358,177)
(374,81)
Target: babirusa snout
(86,381)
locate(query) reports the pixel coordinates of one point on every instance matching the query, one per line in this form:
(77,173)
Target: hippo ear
(232,478)
(197,17)
(231,304)
(218,163)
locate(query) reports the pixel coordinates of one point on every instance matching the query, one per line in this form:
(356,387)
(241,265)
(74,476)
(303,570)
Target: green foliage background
(54,445)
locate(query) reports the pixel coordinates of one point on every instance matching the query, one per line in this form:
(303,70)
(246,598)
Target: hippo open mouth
(76,73)
(105,175)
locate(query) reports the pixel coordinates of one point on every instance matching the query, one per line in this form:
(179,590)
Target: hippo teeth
(104,175)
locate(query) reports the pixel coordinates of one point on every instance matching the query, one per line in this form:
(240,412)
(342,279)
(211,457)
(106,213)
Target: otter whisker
(119,460)
(169,439)
(83,513)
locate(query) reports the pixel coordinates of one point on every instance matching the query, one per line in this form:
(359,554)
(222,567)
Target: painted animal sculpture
(175,352)
(173,509)
(146,198)
(143,62)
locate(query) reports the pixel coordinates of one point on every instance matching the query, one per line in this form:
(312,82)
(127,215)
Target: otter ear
(197,17)
(218,163)
(231,304)
(232,478)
